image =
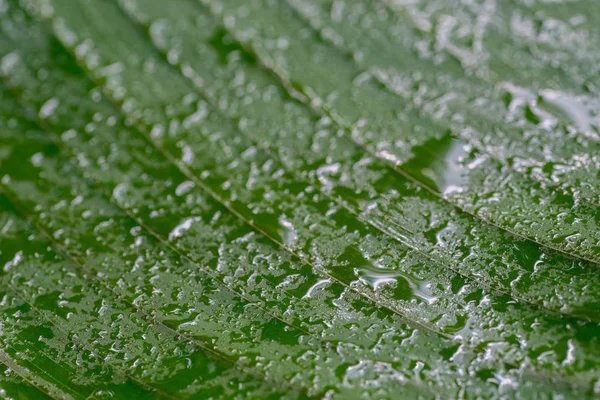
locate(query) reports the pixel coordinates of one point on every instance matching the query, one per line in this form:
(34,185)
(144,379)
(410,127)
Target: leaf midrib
(35,381)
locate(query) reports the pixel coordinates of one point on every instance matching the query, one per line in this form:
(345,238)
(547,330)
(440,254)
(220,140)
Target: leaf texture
(298,199)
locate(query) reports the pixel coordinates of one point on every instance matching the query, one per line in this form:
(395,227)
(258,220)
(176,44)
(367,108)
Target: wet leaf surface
(299,199)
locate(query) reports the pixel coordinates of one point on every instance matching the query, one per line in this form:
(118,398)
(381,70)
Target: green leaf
(295,199)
